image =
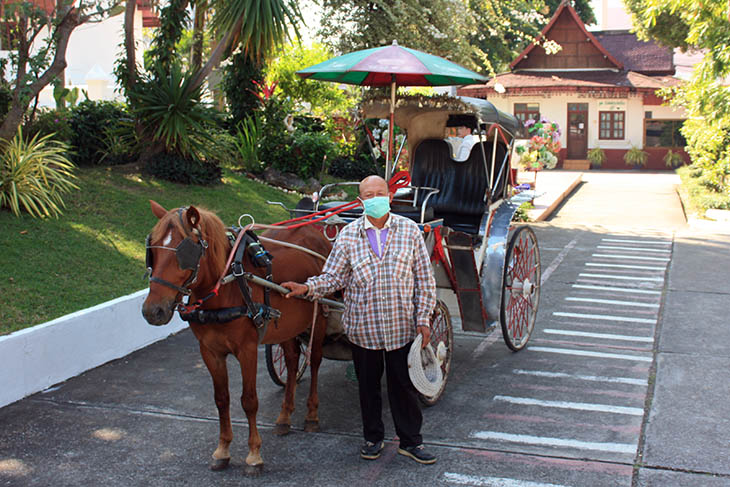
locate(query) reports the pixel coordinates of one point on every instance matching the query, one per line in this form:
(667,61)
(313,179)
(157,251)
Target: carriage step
(468,292)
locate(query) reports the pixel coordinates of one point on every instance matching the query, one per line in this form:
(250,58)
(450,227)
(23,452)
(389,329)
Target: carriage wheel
(441,331)
(276,365)
(521,291)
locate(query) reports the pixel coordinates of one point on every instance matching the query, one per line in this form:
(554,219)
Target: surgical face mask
(377,206)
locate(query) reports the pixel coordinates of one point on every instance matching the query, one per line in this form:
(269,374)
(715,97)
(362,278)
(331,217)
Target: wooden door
(577,130)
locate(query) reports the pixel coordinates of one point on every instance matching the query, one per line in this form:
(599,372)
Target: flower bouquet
(541,151)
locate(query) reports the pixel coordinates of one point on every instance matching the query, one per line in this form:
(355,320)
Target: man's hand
(295,288)
(425,332)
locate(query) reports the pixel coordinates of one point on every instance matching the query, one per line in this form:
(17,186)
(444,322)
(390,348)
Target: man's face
(372,187)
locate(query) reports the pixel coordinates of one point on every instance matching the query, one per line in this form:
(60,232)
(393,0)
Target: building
(600,87)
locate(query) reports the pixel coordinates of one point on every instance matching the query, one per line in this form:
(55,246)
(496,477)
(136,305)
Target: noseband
(188,253)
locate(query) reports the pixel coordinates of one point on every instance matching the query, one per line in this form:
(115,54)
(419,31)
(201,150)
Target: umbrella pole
(389,159)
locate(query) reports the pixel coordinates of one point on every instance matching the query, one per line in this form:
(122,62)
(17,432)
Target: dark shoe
(418,453)
(371,451)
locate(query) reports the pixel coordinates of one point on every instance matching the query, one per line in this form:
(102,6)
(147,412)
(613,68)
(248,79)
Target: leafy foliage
(246,142)
(50,122)
(321,99)
(239,75)
(673,159)
(596,156)
(171,113)
(34,175)
(93,125)
(310,152)
(704,26)
(181,169)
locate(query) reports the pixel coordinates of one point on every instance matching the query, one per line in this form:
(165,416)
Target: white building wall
(555,109)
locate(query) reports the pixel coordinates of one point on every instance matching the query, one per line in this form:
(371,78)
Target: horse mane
(211,229)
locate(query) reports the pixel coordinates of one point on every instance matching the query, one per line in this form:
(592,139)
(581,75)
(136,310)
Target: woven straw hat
(424,367)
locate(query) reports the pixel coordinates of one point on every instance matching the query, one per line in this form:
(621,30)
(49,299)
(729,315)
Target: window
(611,125)
(663,133)
(527,111)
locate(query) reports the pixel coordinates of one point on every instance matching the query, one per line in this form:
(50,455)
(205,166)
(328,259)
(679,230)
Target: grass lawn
(697,198)
(95,251)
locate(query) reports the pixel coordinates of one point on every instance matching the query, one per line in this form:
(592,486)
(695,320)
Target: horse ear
(157,209)
(193,217)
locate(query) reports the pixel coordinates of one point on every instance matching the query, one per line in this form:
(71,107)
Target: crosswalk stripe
(588,353)
(612,301)
(638,249)
(620,240)
(631,257)
(627,319)
(591,378)
(626,278)
(461,479)
(607,336)
(579,406)
(627,266)
(547,441)
(618,289)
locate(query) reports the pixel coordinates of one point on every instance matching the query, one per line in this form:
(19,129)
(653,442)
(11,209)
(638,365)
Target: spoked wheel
(441,331)
(521,291)
(276,365)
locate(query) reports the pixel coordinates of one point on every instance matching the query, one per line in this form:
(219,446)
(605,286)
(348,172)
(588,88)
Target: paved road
(623,384)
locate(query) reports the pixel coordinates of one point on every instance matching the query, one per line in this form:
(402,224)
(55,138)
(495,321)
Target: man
(381,262)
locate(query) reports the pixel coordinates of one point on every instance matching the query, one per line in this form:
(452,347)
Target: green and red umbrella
(392,66)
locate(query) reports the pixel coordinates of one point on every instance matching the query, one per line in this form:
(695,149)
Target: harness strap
(177,288)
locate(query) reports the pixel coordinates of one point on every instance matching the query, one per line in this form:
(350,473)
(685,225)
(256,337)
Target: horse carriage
(463,207)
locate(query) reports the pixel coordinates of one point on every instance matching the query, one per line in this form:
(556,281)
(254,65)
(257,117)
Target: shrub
(93,123)
(223,151)
(275,141)
(186,170)
(34,175)
(636,157)
(50,122)
(308,153)
(246,143)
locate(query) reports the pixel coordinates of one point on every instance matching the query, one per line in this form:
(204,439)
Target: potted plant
(636,157)
(596,157)
(673,159)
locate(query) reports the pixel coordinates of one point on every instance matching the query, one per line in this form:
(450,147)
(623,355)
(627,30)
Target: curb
(551,208)
(52,352)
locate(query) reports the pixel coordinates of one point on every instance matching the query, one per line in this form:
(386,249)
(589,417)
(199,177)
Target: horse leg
(250,402)
(216,364)
(291,357)
(311,422)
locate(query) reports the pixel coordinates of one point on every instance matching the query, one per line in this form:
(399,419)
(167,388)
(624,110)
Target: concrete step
(576,164)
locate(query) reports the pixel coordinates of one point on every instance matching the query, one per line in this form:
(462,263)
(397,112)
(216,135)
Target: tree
(700,26)
(582,7)
(38,47)
(323,99)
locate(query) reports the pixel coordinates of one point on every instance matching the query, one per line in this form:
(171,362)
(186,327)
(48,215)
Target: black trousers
(402,396)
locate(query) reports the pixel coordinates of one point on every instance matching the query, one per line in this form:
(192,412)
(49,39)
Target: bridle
(188,253)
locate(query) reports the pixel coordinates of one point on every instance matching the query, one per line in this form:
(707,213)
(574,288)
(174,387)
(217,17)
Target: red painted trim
(580,25)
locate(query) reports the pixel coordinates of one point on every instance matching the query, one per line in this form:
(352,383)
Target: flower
(541,150)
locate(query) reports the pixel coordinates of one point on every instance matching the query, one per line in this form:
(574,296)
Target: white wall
(38,357)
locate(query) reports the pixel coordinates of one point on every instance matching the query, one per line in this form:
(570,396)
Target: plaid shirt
(385,298)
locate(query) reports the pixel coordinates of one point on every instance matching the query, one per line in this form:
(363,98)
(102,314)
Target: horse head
(185,250)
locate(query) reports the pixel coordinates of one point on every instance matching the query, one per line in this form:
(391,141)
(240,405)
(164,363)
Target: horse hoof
(254,470)
(282,429)
(311,426)
(220,464)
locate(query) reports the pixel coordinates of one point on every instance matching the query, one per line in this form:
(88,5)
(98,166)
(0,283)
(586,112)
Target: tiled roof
(645,57)
(557,81)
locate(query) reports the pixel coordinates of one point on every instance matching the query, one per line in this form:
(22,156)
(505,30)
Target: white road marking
(627,278)
(608,336)
(591,378)
(613,301)
(631,257)
(460,479)
(617,289)
(484,344)
(620,240)
(557,260)
(626,266)
(588,353)
(627,319)
(615,247)
(579,406)
(541,440)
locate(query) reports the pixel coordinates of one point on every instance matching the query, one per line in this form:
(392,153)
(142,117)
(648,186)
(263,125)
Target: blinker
(188,254)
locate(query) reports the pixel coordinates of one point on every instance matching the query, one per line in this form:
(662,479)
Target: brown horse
(171,274)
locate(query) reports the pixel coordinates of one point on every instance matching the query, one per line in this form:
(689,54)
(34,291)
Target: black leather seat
(462,185)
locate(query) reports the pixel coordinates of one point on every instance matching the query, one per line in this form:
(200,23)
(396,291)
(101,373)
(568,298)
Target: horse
(178,237)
